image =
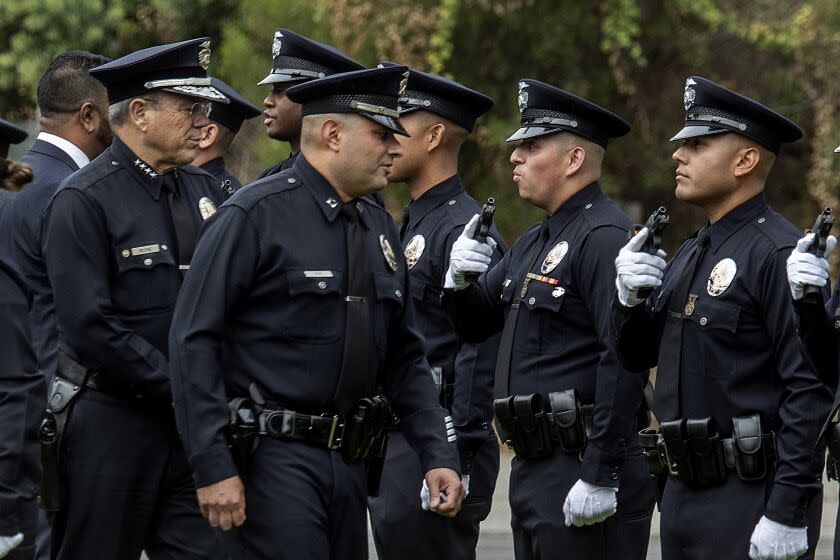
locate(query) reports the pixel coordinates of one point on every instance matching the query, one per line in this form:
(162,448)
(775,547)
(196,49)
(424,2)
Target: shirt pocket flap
(541,295)
(144,260)
(711,314)
(387,287)
(314,281)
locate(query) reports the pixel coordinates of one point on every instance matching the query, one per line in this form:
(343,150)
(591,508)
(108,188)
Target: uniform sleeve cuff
(788,505)
(600,467)
(212,466)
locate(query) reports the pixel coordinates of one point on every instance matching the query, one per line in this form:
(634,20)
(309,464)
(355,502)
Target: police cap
(231,115)
(712,109)
(373,93)
(546,109)
(444,97)
(10,134)
(296,58)
(177,67)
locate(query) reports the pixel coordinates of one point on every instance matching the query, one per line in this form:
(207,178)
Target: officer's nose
(678,155)
(395,149)
(268,101)
(516,157)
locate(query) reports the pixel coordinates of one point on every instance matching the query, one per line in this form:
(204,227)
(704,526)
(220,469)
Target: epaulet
(193,170)
(605,212)
(252,193)
(91,173)
(461,208)
(775,228)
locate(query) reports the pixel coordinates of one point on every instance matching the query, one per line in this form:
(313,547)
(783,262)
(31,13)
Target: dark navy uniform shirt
(109,246)
(228,183)
(282,165)
(430,227)
(264,303)
(562,338)
(740,351)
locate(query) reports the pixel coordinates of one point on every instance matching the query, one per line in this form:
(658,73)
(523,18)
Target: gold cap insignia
(204,55)
(403,83)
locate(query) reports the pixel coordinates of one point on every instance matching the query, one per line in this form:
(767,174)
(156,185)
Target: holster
(651,441)
(568,426)
(832,466)
(67,385)
(705,452)
(748,441)
(366,429)
(242,434)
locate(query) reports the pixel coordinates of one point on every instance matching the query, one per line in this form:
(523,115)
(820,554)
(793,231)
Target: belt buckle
(336,432)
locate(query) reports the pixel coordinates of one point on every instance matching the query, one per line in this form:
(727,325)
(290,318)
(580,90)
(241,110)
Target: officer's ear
(332,134)
(89,117)
(576,155)
(209,135)
(434,136)
(746,160)
(138,113)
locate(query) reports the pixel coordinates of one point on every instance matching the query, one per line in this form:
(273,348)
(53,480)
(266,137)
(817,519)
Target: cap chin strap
(376,109)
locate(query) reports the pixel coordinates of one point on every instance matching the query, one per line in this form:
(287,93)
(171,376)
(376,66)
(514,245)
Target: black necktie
(404,224)
(355,363)
(182,222)
(680,305)
(500,387)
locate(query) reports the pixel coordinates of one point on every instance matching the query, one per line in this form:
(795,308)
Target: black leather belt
(324,430)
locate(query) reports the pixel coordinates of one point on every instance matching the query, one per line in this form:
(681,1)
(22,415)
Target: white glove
(7,544)
(636,270)
(468,255)
(774,541)
(806,269)
(588,504)
(424,492)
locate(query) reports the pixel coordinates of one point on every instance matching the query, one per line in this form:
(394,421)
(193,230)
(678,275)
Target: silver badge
(690,94)
(276,45)
(721,277)
(414,250)
(523,97)
(558,292)
(388,253)
(553,258)
(206,207)
(204,55)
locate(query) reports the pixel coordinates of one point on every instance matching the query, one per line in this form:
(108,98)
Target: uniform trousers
(538,489)
(128,486)
(403,531)
(302,502)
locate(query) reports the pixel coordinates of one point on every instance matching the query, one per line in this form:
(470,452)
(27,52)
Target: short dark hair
(67,84)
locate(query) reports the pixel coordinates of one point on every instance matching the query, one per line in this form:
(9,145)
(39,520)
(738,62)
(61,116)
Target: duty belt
(324,430)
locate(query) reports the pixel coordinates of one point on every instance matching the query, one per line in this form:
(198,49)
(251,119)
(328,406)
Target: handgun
(656,225)
(821,229)
(482,230)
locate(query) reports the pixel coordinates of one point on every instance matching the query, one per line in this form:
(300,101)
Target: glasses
(199,108)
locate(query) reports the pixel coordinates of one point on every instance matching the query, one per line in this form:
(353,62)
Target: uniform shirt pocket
(147,279)
(315,310)
(542,303)
(390,294)
(713,323)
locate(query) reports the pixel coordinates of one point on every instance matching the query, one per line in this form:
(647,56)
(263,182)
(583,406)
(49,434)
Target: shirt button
(399,293)
(451,202)
(532,301)
(164,247)
(322,284)
(703,321)
(114,163)
(588,206)
(761,220)
(148,262)
(614,476)
(291,180)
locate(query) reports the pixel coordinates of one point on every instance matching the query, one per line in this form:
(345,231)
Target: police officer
(564,403)
(296,59)
(740,406)
(22,387)
(225,121)
(298,299)
(119,237)
(439,115)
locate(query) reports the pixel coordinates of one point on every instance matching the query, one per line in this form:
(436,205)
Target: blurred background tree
(631,56)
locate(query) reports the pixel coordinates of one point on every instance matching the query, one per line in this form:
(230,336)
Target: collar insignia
(142,166)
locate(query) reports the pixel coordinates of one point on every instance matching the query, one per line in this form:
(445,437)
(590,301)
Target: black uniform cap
(10,134)
(232,115)
(442,96)
(373,93)
(176,67)
(546,109)
(296,58)
(712,109)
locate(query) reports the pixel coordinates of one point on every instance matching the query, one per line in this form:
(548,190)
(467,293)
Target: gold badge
(414,250)
(553,258)
(206,207)
(403,83)
(721,277)
(204,55)
(690,304)
(388,252)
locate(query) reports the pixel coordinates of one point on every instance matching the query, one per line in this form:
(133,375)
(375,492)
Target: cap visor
(837,149)
(693,131)
(531,132)
(281,79)
(388,122)
(204,92)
